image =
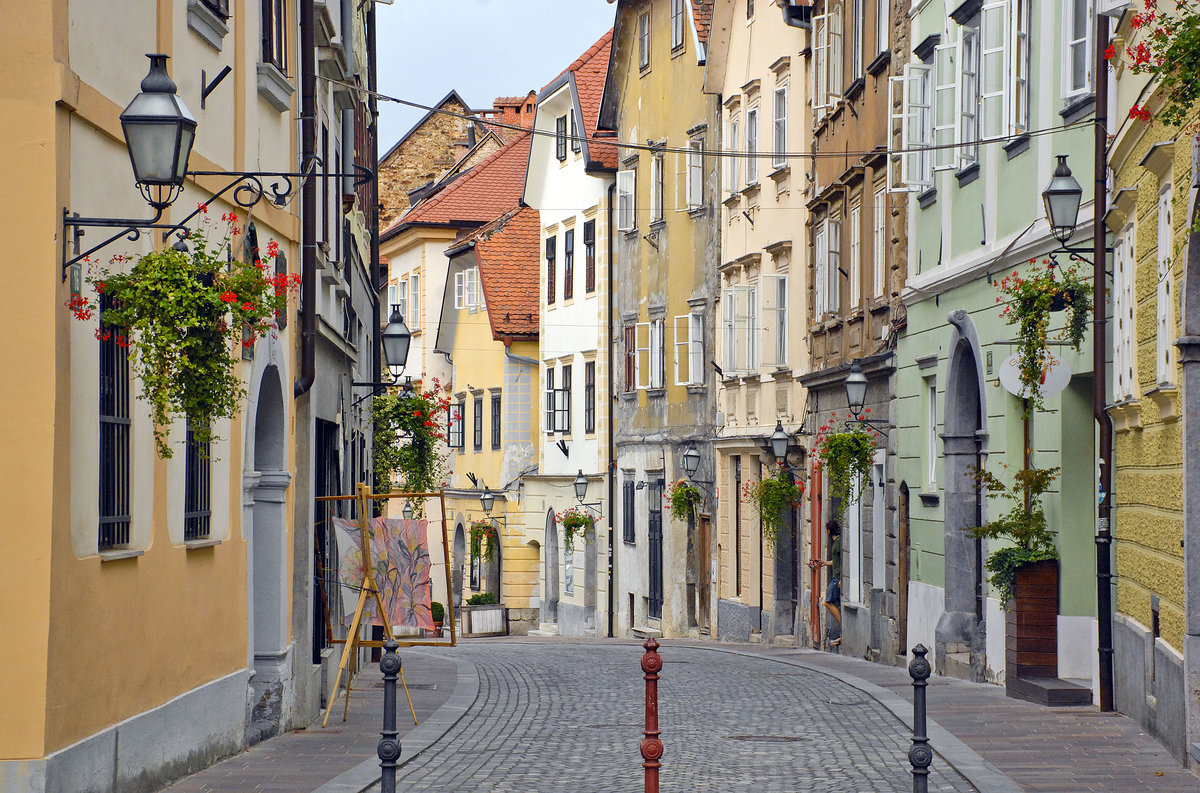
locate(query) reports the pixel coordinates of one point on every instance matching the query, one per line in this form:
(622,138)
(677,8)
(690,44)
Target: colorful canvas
(400,552)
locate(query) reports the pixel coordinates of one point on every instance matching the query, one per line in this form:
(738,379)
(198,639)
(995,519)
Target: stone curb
(366,774)
(965,760)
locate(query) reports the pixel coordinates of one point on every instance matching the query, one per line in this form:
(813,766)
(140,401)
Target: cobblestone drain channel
(558,718)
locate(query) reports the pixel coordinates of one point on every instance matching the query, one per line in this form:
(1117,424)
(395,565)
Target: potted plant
(1031,300)
(483,540)
(183,312)
(683,499)
(770,496)
(576,523)
(484,616)
(846,457)
(438,611)
(1024,572)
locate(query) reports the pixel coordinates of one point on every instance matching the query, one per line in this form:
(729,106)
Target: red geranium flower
(229,297)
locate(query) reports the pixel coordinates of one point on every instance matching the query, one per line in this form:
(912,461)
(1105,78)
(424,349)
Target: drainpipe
(378,278)
(1099,374)
(308,202)
(612,447)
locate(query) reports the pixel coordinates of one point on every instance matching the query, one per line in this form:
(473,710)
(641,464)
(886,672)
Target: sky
(480,48)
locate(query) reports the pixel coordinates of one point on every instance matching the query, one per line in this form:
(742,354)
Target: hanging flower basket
(409,441)
(772,497)
(577,524)
(683,499)
(1030,301)
(484,539)
(846,457)
(183,312)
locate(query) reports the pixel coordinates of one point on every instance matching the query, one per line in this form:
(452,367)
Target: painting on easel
(401,560)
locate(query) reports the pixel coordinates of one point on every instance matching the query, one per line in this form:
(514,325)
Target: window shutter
(696,348)
(731,163)
(835,55)
(641,364)
(1018,67)
(460,290)
(879,242)
(820,75)
(1165,334)
(657,353)
(683,361)
(729,329)
(945,105)
(414,300)
(820,270)
(835,265)
(1124,341)
(774,320)
(626,190)
(993,31)
(967,92)
(855,263)
(550,398)
(695,174)
(752,146)
(779,130)
(916,117)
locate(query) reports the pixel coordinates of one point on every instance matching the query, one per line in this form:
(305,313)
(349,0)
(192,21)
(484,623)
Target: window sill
(206,24)
(1016,146)
(732,200)
(677,51)
(630,234)
(930,499)
(1126,415)
(658,224)
(855,88)
(967,175)
(195,545)
(655,393)
(643,71)
(274,86)
(752,189)
(1077,107)
(697,211)
(927,198)
(780,173)
(697,388)
(118,555)
(880,63)
(1166,398)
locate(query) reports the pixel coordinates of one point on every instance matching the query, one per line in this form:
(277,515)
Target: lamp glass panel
(1063,208)
(152,150)
(856,392)
(187,136)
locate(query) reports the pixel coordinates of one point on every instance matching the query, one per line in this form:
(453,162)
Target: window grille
(114,463)
(197,491)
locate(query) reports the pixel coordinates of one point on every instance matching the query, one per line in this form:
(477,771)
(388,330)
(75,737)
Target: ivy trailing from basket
(771,496)
(1023,525)
(182,312)
(683,498)
(409,441)
(846,457)
(484,540)
(577,524)
(1030,301)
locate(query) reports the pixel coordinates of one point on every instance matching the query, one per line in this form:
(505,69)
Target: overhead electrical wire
(715,152)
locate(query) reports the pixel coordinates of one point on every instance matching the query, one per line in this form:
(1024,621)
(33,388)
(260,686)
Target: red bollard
(652,747)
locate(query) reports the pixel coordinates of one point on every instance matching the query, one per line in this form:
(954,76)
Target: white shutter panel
(741,324)
(728,329)
(967,95)
(835,265)
(993,31)
(1166,293)
(414,301)
(642,361)
(820,89)
(460,290)
(1124,341)
(626,188)
(695,348)
(683,361)
(914,127)
(752,328)
(945,105)
(835,55)
(821,270)
(695,174)
(657,352)
(774,320)
(898,118)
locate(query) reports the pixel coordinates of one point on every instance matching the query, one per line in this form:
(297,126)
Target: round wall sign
(1054,378)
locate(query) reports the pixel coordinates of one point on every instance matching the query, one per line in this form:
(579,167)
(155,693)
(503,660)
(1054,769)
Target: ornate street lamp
(779,442)
(396,339)
(487,501)
(689,461)
(408,510)
(159,132)
(856,389)
(1062,197)
(581,486)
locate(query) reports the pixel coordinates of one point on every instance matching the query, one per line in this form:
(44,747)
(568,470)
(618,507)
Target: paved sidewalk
(302,761)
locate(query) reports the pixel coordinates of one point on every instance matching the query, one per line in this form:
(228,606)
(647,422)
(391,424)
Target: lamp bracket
(881,429)
(248,190)
(207,88)
(562,447)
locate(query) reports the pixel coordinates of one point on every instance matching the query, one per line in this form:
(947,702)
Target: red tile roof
(508,251)
(591,70)
(481,194)
(702,11)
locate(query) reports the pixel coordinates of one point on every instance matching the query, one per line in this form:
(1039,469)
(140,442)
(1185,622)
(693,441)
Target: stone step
(1050,691)
(545,629)
(646,632)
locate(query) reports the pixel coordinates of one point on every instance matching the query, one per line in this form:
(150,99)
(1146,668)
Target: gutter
(308,203)
(612,453)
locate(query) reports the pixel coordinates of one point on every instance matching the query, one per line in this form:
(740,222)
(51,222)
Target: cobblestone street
(553,717)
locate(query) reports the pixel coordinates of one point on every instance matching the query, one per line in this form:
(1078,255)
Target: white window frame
(658,332)
(779,126)
(402,298)
(882,8)
(1017,112)
(993,68)
(1165,292)
(731,163)
(656,187)
(835,55)
(695,173)
(689,349)
(644,40)
(946,79)
(641,364)
(1125,382)
(931,434)
(774,332)
(820,65)
(879,242)
(916,127)
(855,264)
(1074,83)
(856,40)
(676,24)
(414,301)
(751,146)
(627,199)
(740,309)
(456,433)
(460,290)
(551,395)
(834,284)
(392,289)
(820,270)
(967,94)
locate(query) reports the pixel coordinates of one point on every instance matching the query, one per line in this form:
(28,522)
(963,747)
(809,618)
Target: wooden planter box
(489,620)
(1031,638)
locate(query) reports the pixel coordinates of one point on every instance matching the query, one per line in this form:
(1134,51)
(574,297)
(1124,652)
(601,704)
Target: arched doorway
(268,538)
(960,631)
(458,557)
(550,596)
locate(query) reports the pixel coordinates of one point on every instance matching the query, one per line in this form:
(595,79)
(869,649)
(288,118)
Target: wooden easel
(368,588)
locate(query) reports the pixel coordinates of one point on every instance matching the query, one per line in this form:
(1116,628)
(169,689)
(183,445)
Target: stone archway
(960,632)
(266,487)
(550,596)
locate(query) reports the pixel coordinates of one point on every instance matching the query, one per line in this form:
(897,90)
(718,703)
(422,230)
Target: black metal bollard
(919,754)
(389,744)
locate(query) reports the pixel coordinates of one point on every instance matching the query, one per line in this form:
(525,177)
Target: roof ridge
(585,58)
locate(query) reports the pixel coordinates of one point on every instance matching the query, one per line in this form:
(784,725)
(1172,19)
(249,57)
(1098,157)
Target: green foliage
(683,499)
(483,599)
(846,457)
(437,611)
(771,496)
(182,314)
(1031,300)
(1023,524)
(484,539)
(409,441)
(576,523)
(1169,51)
